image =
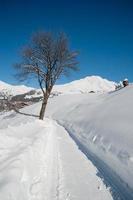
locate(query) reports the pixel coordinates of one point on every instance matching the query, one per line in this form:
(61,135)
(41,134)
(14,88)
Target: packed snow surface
(40,161)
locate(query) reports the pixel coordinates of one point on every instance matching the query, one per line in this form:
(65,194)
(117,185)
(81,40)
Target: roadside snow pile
(40,161)
(86,85)
(14,89)
(103,123)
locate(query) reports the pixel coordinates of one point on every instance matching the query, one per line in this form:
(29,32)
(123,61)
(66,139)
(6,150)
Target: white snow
(88,84)
(85,85)
(40,161)
(103,123)
(37,94)
(14,89)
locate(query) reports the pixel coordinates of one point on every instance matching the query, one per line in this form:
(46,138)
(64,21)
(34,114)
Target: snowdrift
(103,123)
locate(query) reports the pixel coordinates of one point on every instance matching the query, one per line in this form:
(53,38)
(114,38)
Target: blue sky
(102,30)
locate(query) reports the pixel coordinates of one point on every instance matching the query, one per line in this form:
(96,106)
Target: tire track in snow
(48,185)
(41,185)
(61,193)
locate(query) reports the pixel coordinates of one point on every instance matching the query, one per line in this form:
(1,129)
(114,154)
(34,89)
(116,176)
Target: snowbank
(103,123)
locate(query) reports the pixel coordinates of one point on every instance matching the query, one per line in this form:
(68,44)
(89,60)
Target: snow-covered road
(40,161)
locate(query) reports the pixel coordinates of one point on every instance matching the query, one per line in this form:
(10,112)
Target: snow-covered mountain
(85,85)
(14,89)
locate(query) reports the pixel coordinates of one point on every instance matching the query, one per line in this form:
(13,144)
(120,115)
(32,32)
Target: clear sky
(102,30)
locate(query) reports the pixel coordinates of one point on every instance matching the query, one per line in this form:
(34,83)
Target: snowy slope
(85,85)
(100,124)
(103,123)
(40,161)
(14,89)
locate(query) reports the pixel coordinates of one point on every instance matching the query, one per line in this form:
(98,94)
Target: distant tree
(46,58)
(5,101)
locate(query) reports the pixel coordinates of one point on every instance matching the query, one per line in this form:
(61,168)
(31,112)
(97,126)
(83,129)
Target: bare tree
(46,58)
(5,101)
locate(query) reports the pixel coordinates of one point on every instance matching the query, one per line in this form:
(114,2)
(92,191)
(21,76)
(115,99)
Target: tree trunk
(43,108)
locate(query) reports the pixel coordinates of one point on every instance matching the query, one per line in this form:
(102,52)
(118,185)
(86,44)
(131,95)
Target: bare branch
(47,58)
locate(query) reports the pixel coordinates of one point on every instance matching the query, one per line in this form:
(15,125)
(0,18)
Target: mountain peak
(84,85)
(87,84)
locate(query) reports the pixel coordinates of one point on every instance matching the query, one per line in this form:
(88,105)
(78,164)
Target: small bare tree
(5,101)
(47,58)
